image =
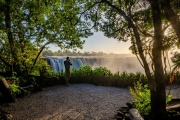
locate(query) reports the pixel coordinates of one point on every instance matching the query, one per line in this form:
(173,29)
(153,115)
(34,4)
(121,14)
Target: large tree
(27,27)
(171,9)
(135,20)
(158,106)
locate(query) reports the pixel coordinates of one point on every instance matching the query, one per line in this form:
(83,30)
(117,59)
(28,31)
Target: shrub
(81,75)
(101,76)
(141,98)
(83,71)
(102,71)
(15,89)
(42,68)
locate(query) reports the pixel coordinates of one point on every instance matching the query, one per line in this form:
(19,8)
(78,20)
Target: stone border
(134,114)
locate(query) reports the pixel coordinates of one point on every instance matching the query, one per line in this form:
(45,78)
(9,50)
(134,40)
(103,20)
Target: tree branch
(41,49)
(172,17)
(88,10)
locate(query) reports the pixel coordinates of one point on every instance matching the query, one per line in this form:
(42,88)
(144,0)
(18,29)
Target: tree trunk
(7,13)
(172,17)
(151,81)
(4,89)
(158,105)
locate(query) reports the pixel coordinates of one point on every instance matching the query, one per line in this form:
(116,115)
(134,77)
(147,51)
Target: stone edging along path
(76,102)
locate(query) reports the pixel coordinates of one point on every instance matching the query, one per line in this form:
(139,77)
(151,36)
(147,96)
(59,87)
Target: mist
(126,64)
(114,64)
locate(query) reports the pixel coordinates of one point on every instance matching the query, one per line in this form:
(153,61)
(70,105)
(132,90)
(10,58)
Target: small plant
(168,98)
(15,88)
(141,97)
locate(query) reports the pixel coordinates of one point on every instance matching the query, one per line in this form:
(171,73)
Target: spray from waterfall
(114,64)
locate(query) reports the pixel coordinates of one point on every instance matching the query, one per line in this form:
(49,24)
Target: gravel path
(76,102)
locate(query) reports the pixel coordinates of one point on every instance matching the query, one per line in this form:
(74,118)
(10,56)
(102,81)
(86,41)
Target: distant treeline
(77,53)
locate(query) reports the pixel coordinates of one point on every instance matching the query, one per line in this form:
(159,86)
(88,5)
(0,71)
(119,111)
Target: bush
(102,71)
(41,68)
(141,98)
(15,89)
(103,76)
(83,71)
(81,75)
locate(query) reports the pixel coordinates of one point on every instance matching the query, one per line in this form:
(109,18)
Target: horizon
(100,43)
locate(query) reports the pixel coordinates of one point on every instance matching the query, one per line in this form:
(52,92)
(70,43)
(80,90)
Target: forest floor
(75,102)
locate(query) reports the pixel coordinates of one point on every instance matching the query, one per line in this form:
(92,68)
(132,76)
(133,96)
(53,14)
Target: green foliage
(141,97)
(101,71)
(168,98)
(83,71)
(27,30)
(103,76)
(41,68)
(81,75)
(14,76)
(15,88)
(22,81)
(50,72)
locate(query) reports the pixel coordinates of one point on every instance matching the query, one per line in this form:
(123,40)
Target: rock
(5,115)
(134,114)
(9,117)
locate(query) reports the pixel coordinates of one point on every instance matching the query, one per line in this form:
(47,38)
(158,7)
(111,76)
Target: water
(115,64)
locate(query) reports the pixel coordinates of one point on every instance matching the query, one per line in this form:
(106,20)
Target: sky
(99,43)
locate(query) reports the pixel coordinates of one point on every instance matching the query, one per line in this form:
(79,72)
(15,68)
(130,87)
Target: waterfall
(57,63)
(115,64)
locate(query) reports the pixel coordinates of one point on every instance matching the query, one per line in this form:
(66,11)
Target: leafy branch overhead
(27,30)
